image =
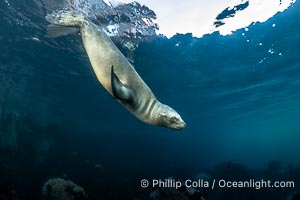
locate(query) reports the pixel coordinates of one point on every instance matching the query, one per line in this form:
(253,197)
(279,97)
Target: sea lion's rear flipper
(54,31)
(66,18)
(121,91)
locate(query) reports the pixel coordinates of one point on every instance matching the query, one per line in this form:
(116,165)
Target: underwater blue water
(239,94)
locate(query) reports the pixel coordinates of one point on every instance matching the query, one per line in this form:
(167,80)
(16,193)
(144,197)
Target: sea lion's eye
(173,119)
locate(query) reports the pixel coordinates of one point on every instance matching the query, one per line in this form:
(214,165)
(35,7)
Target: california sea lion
(113,70)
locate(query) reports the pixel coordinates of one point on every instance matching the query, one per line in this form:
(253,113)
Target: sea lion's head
(168,117)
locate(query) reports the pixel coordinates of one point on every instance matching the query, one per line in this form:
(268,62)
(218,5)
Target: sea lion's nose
(180,126)
(183,124)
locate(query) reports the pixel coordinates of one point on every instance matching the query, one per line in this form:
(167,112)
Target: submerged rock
(61,189)
(182,193)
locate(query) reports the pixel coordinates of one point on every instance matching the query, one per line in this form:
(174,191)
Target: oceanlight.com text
(214,183)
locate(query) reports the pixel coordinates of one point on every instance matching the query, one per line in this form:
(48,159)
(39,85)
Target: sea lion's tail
(64,22)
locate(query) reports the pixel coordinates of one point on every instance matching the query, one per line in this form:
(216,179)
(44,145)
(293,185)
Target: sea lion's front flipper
(121,91)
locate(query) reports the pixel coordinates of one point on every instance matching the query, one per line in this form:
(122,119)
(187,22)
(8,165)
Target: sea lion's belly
(103,54)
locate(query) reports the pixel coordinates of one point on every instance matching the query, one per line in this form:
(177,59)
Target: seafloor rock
(182,193)
(61,189)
